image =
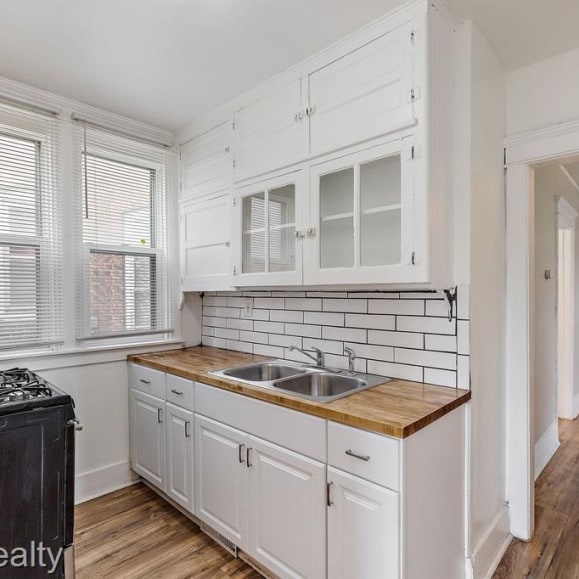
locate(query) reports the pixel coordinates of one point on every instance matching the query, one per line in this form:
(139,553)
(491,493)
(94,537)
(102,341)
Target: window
(30,239)
(124,287)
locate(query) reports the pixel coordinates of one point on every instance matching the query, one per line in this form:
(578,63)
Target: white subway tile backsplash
(285,341)
(413,373)
(324,318)
(437,308)
(311,304)
(287,316)
(269,327)
(402,339)
(382,353)
(345,305)
(368,321)
(273,351)
(255,337)
(425,358)
(397,307)
(344,334)
(403,335)
(463,337)
(440,377)
(463,302)
(303,330)
(425,325)
(440,343)
(269,303)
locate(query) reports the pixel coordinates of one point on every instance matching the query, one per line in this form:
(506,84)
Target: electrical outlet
(247,310)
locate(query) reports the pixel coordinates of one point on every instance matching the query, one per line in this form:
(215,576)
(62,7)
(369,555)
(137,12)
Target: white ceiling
(165,62)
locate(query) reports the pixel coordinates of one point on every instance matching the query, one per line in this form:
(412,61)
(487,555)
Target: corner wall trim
(490,547)
(546,447)
(101,481)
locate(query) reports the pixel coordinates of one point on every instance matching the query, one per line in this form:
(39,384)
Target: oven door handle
(76,423)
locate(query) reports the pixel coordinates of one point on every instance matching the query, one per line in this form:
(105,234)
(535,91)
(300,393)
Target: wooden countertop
(397,408)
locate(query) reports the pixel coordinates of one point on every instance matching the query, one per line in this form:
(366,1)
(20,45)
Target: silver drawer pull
(187,430)
(363,457)
(177,392)
(144,381)
(76,423)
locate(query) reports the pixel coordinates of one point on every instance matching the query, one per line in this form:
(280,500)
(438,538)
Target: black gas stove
(37,440)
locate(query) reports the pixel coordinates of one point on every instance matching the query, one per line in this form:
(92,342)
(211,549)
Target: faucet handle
(351,358)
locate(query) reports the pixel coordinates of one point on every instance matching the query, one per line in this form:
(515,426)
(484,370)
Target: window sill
(66,358)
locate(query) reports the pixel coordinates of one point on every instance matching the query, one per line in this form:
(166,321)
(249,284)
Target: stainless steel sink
(303,380)
(319,385)
(266,372)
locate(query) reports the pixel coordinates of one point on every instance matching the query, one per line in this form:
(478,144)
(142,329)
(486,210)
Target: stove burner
(19,384)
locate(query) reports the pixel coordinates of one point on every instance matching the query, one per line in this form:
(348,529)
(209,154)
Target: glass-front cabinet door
(266,215)
(362,218)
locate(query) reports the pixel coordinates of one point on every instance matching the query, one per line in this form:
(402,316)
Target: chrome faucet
(314,354)
(351,358)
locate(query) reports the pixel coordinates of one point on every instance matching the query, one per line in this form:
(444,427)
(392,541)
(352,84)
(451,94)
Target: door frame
(522,154)
(566,216)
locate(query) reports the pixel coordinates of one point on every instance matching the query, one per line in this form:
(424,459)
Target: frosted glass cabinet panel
(267,214)
(362,205)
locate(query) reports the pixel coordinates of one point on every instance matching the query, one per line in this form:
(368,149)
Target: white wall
(481,95)
(550,182)
(543,94)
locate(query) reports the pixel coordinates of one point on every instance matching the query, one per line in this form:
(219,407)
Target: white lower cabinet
(148,437)
(287,513)
(363,528)
(179,450)
(221,478)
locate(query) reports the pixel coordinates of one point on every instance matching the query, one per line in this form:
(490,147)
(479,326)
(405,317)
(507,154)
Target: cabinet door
(287,511)
(362,209)
(363,528)
(266,217)
(364,94)
(205,244)
(269,131)
(221,478)
(207,163)
(180,455)
(148,437)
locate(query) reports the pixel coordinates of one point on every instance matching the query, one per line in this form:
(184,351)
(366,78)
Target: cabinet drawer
(365,454)
(148,380)
(180,392)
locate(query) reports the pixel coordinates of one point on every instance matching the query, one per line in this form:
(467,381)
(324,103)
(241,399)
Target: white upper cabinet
(270,131)
(205,244)
(364,94)
(207,163)
(362,218)
(266,241)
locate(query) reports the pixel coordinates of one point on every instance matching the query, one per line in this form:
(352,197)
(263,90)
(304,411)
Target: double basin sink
(311,382)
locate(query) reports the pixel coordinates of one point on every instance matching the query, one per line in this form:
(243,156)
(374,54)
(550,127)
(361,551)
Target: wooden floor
(133,533)
(553,552)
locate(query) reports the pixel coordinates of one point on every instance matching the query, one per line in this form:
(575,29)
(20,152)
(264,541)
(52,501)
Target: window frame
(157,250)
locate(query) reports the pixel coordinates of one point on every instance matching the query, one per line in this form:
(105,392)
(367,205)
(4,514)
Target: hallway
(554,551)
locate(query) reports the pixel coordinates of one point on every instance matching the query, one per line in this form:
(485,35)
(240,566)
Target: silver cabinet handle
(364,457)
(144,381)
(159,415)
(187,430)
(75,422)
(329,493)
(248,457)
(240,453)
(176,392)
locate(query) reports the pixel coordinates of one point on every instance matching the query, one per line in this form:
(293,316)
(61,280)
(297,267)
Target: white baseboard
(576,406)
(546,447)
(95,483)
(490,548)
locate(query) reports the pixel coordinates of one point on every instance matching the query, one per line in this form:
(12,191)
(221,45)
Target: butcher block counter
(396,408)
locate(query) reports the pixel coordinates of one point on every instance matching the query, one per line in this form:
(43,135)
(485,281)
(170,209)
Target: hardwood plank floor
(133,534)
(553,553)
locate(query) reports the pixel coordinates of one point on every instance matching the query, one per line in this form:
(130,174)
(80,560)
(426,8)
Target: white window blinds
(31,313)
(124,286)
